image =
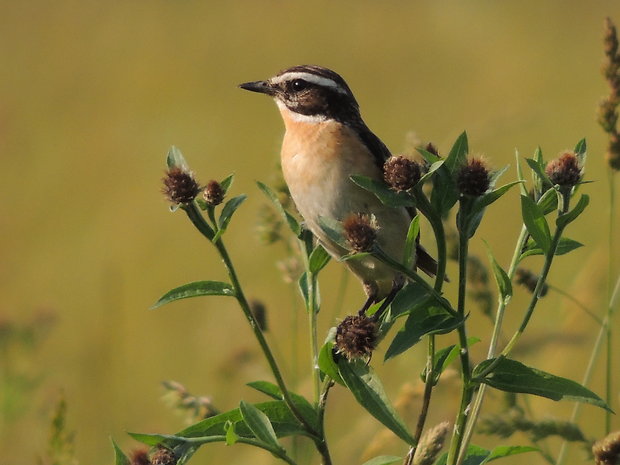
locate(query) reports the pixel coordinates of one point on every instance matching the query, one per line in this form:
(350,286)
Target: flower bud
(401,173)
(356,336)
(213,193)
(473,177)
(564,170)
(180,187)
(360,232)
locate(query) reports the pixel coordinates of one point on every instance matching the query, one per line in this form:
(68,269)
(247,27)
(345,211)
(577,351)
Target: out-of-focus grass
(93,93)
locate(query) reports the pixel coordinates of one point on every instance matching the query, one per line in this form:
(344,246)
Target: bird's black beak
(262,87)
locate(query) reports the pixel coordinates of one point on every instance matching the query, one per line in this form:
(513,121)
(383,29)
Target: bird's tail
(426,262)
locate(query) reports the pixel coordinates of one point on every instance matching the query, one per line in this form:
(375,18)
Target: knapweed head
(180,187)
(401,173)
(473,178)
(360,232)
(565,170)
(356,336)
(213,193)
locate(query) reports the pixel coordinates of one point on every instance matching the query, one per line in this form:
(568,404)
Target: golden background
(92,94)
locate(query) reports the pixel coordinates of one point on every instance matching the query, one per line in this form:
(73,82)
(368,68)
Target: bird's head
(310,93)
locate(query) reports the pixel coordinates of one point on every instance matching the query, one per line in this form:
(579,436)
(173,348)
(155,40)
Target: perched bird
(326,141)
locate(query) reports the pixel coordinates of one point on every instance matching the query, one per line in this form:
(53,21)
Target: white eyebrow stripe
(313,78)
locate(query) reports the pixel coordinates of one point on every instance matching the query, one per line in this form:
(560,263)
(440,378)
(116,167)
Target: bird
(326,142)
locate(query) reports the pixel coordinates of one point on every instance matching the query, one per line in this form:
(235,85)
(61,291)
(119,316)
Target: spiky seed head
(607,450)
(356,336)
(163,456)
(213,193)
(360,232)
(180,187)
(139,457)
(401,173)
(564,170)
(473,177)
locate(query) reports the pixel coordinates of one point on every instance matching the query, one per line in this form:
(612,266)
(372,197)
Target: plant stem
(468,388)
(608,318)
(499,317)
(200,223)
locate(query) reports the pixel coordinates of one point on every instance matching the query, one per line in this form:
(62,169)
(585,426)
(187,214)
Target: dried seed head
(139,457)
(180,187)
(529,280)
(613,152)
(564,170)
(356,336)
(401,173)
(163,456)
(607,450)
(431,443)
(360,232)
(473,177)
(213,193)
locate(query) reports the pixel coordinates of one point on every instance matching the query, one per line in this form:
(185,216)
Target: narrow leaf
(231,435)
(119,456)
(506,451)
(501,277)
(327,364)
(431,170)
(369,393)
(293,224)
(175,159)
(318,259)
(512,376)
(227,182)
(272,390)
(548,202)
(195,289)
(581,150)
(565,246)
(458,154)
(520,176)
(428,156)
(227,213)
(267,388)
(410,243)
(386,195)
(383,460)
(259,424)
(151,439)
(535,223)
(409,299)
(564,220)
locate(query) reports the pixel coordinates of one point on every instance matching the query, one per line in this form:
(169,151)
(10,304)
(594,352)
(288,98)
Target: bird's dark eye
(299,84)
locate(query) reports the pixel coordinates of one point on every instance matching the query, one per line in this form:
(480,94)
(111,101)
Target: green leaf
(581,150)
(458,153)
(431,170)
(410,243)
(535,223)
(444,357)
(227,212)
(387,196)
(227,182)
(333,230)
(564,220)
(444,194)
(501,277)
(302,404)
(318,259)
(259,424)
(477,455)
(423,320)
(548,202)
(119,456)
(512,376)
(565,246)
(195,289)
(280,416)
(327,364)
(520,176)
(231,435)
(175,159)
(428,156)
(369,393)
(383,460)
(293,224)
(151,439)
(408,299)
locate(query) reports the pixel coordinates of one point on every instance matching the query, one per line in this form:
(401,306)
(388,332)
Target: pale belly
(317,173)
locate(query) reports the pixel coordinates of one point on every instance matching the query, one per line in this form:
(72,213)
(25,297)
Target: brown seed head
(564,170)
(180,187)
(139,457)
(607,450)
(213,193)
(360,232)
(431,444)
(473,177)
(356,336)
(613,152)
(163,456)
(401,173)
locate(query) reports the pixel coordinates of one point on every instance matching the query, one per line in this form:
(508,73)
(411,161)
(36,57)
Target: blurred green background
(92,94)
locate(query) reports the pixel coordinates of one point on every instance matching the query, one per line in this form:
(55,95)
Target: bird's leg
(371,291)
(397,285)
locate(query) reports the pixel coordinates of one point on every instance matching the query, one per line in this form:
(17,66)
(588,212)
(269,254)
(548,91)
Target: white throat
(287,113)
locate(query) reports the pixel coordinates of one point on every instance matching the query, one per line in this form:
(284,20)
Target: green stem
(278,452)
(499,318)
(468,388)
(200,223)
(609,340)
